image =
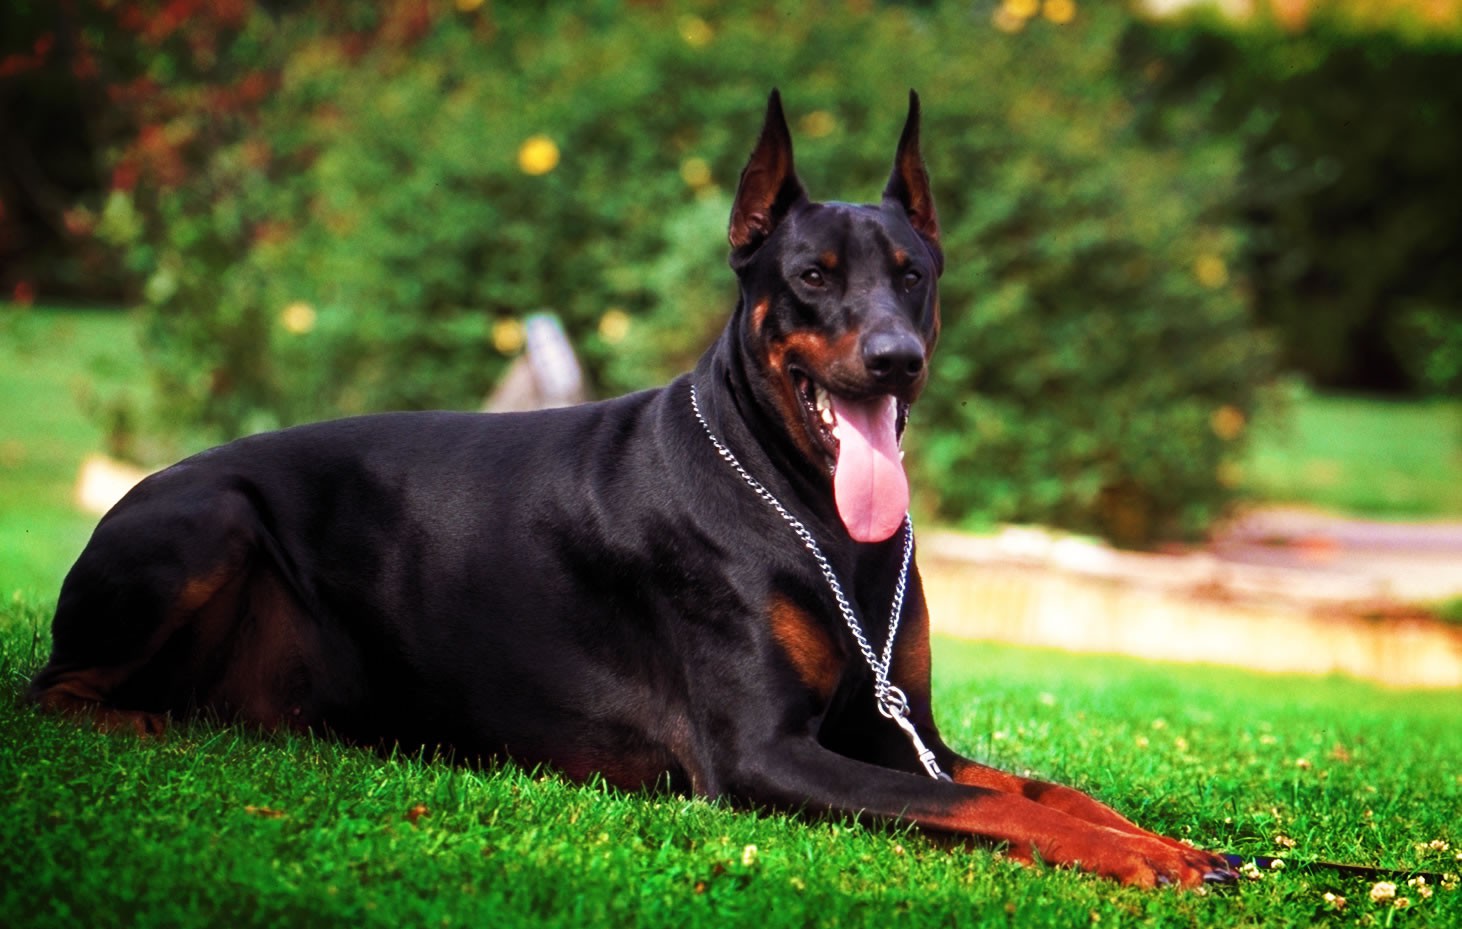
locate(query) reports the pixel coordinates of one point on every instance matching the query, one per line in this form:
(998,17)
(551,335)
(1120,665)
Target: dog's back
(464,580)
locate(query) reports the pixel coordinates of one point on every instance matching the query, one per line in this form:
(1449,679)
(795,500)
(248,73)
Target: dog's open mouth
(860,437)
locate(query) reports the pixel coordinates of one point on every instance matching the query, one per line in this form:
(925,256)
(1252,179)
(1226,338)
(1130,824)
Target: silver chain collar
(893,703)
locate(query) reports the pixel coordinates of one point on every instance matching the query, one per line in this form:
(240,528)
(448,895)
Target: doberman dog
(705,587)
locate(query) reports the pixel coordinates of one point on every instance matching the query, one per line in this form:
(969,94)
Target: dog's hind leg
(161,587)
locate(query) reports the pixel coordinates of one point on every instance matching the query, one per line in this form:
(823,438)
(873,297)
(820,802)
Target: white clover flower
(1421,887)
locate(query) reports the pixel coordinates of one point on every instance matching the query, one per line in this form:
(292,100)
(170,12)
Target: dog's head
(840,306)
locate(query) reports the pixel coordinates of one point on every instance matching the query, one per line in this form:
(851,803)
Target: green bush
(367,237)
(1350,186)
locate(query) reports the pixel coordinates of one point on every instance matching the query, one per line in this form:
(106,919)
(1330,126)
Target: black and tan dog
(646,588)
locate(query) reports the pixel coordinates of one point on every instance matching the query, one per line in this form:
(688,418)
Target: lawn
(1362,455)
(52,365)
(213,825)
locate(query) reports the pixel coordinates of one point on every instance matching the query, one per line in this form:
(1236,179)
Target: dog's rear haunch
(621,588)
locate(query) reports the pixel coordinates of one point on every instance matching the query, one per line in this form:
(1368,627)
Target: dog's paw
(1164,862)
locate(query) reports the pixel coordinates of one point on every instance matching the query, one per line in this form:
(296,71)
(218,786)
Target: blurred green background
(1192,257)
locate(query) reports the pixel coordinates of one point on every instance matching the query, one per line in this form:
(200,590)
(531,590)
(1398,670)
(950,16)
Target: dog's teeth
(824,406)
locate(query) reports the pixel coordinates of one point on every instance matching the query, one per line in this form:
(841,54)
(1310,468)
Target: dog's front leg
(796,772)
(1067,800)
(911,671)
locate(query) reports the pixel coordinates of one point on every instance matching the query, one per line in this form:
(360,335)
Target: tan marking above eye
(759,314)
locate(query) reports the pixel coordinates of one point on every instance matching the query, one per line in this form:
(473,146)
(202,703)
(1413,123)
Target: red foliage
(254,87)
(19,62)
(161,154)
(171,94)
(271,232)
(164,23)
(132,94)
(132,17)
(83,65)
(230,14)
(407,21)
(125,176)
(15,64)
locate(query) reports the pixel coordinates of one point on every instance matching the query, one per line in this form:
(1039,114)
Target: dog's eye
(812,277)
(911,280)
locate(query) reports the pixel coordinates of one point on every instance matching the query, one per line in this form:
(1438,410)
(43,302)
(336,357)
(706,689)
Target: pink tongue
(869,484)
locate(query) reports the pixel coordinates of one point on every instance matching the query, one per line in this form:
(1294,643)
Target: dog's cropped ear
(908,186)
(768,187)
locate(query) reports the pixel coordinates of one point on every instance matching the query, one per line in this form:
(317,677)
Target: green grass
(1450,611)
(52,363)
(213,825)
(1360,455)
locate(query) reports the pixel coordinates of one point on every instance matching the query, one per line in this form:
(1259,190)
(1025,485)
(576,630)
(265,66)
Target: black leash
(1266,864)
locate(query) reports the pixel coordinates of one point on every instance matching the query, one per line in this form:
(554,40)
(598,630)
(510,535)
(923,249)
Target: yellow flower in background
(1007,23)
(1021,9)
(818,123)
(1059,12)
(1227,422)
(537,155)
(1210,271)
(467,6)
(614,325)
(696,172)
(508,336)
(696,32)
(298,318)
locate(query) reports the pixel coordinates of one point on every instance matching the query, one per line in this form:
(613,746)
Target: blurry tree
(1350,187)
(53,115)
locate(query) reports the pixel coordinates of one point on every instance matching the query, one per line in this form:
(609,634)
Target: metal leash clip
(894,704)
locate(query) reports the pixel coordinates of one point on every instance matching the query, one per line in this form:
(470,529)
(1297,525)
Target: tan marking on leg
(806,645)
(912,661)
(78,695)
(197,591)
(977,775)
(1031,830)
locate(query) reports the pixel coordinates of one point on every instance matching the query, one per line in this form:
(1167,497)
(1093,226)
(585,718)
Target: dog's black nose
(894,359)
